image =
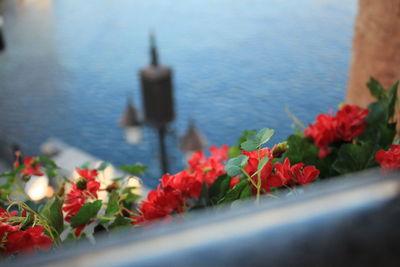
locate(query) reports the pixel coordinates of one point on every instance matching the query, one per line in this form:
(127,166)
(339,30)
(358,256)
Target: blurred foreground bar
(348,221)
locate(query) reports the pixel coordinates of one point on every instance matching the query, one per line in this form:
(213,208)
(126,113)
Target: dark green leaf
(235,165)
(86,213)
(247,192)
(53,213)
(134,169)
(113,203)
(234,151)
(49,162)
(119,222)
(376,89)
(218,189)
(393,99)
(235,192)
(50,172)
(352,158)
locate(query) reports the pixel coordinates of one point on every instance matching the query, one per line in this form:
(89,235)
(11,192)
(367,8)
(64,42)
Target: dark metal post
(157,93)
(163,149)
(2,40)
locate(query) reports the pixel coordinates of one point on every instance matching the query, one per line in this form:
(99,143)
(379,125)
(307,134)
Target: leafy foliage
(86,213)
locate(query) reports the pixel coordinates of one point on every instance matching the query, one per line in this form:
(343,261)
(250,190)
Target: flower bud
(279,149)
(81,183)
(112,187)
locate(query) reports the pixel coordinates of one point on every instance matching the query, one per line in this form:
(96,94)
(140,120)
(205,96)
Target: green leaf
(246,193)
(52,211)
(49,162)
(235,165)
(255,140)
(86,213)
(119,222)
(352,158)
(103,166)
(235,192)
(113,203)
(134,169)
(218,189)
(261,165)
(393,99)
(129,197)
(117,179)
(376,89)
(234,151)
(50,172)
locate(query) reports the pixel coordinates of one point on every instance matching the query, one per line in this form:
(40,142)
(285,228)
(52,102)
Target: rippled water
(70,65)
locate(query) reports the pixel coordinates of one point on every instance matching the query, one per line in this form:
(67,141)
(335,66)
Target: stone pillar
(376,48)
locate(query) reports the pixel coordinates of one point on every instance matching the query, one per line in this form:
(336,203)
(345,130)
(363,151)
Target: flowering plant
(350,140)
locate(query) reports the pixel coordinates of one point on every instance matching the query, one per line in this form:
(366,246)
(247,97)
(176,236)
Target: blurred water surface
(70,64)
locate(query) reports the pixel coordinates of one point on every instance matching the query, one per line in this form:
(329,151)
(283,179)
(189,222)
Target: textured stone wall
(376,48)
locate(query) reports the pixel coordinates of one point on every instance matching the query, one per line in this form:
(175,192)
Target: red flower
(32,167)
(185,182)
(347,124)
(323,132)
(282,174)
(87,174)
(350,122)
(78,196)
(389,160)
(4,215)
(234,182)
(304,175)
(27,241)
(170,197)
(160,203)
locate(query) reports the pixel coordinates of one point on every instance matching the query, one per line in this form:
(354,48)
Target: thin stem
(249,178)
(258,179)
(105,218)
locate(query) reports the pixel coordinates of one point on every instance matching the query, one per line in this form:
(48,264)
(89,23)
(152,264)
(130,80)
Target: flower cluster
(14,239)
(347,124)
(389,160)
(31,167)
(84,189)
(173,193)
(278,174)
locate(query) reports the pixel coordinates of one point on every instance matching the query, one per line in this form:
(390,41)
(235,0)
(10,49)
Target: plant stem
(258,179)
(105,218)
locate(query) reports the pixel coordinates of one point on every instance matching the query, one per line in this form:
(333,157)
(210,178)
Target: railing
(348,221)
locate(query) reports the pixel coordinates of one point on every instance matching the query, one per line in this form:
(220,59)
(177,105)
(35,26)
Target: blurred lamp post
(157,93)
(2,41)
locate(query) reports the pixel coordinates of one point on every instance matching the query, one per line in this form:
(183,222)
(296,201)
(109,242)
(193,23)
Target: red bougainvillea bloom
(160,203)
(234,181)
(84,189)
(323,132)
(32,167)
(350,122)
(278,174)
(4,215)
(304,175)
(389,160)
(174,191)
(186,183)
(27,241)
(347,124)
